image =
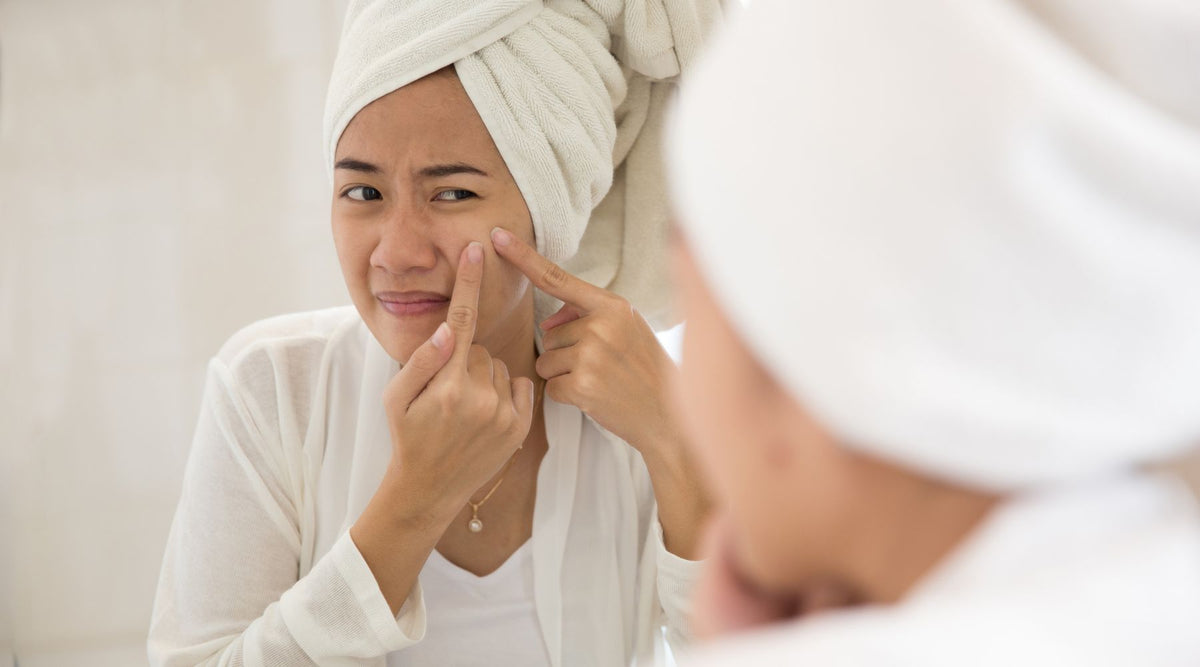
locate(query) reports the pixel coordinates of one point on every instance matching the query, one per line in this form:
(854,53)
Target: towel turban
(573,93)
(964,235)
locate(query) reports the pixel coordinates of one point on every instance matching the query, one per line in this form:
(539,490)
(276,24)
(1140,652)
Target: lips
(404,304)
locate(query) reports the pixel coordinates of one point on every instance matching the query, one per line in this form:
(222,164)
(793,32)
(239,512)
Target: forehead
(431,118)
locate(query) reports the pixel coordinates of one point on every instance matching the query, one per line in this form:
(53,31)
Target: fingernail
(441,337)
(475,252)
(500,236)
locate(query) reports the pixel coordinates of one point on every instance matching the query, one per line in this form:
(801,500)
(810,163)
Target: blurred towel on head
(965,235)
(573,93)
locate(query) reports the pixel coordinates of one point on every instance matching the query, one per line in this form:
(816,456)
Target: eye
(363,193)
(454,195)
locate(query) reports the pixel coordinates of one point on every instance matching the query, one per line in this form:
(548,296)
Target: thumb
(423,364)
(567,313)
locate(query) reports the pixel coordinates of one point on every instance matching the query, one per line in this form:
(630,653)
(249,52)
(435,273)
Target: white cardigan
(291,444)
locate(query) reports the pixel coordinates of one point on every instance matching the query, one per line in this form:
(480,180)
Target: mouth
(408,304)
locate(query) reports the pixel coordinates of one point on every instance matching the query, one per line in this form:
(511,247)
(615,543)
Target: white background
(161,185)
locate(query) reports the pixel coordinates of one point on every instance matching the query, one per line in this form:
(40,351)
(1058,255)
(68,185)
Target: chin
(400,351)
(401,341)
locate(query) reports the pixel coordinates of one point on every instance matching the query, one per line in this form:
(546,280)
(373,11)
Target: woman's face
(416,178)
(786,487)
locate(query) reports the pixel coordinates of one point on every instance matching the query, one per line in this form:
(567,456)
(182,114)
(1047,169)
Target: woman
(408,481)
(926,377)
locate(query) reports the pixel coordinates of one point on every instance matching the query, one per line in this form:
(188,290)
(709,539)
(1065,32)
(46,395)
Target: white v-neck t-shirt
(291,445)
(475,621)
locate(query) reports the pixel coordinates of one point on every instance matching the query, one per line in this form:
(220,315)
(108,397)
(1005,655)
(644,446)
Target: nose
(405,244)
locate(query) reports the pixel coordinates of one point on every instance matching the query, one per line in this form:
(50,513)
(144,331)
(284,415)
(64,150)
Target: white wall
(161,184)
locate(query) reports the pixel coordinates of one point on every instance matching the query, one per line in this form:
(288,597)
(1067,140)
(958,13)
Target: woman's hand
(455,417)
(454,413)
(600,354)
(602,357)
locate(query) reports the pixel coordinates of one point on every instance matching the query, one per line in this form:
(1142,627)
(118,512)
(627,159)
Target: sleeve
(676,578)
(666,581)
(230,592)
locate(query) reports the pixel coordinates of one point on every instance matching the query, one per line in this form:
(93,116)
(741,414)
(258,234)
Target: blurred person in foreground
(942,281)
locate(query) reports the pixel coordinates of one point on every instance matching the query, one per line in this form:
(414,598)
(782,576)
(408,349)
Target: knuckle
(460,316)
(419,363)
(614,302)
(448,395)
(601,329)
(554,276)
(488,402)
(582,384)
(581,352)
(506,419)
(590,352)
(627,313)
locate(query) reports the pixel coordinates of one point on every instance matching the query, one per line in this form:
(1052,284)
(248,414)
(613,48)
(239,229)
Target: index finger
(463,310)
(546,275)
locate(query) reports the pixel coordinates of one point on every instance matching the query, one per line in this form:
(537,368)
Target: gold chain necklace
(475,525)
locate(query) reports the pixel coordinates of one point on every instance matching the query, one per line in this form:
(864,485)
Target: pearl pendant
(475,525)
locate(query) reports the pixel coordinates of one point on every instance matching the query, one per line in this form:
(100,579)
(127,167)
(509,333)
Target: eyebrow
(357,165)
(441,170)
(432,171)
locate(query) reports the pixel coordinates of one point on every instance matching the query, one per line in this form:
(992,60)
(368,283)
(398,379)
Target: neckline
(555,416)
(454,571)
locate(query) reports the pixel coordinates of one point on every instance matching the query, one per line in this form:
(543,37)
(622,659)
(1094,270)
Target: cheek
(503,288)
(696,398)
(735,432)
(707,401)
(756,449)
(353,249)
(718,416)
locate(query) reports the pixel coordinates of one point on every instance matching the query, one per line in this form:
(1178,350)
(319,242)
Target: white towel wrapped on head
(967,234)
(578,127)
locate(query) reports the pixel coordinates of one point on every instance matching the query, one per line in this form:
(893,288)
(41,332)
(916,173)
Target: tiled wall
(161,185)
